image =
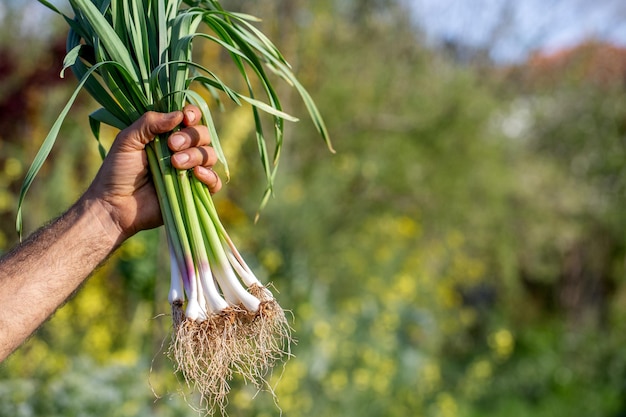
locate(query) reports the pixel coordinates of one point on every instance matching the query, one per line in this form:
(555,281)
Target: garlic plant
(134,56)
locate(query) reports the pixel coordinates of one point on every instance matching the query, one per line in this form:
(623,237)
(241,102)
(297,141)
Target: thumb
(151,124)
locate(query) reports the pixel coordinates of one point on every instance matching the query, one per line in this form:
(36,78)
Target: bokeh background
(463,254)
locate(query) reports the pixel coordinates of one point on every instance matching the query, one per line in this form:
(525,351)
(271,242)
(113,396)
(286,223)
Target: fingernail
(181,158)
(206,171)
(177,141)
(191,116)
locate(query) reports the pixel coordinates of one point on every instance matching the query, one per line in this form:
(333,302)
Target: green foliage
(86,388)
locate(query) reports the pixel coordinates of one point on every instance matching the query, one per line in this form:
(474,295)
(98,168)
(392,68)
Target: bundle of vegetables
(134,56)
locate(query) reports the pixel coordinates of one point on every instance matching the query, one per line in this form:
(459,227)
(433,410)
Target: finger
(189,137)
(147,127)
(193,115)
(197,156)
(209,177)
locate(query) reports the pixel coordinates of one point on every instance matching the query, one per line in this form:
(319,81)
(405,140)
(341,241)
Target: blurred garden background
(463,253)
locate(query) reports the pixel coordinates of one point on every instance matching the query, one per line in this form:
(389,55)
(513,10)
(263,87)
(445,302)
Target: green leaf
(45,149)
(109,38)
(105,116)
(197,100)
(268,109)
(70,59)
(102,96)
(139,40)
(94,124)
(51,6)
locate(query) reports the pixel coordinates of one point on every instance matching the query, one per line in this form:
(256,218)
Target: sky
(512,29)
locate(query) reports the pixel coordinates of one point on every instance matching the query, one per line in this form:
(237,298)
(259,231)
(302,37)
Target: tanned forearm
(43,272)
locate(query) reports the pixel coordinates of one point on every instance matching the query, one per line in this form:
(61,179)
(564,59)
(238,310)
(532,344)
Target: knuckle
(201,134)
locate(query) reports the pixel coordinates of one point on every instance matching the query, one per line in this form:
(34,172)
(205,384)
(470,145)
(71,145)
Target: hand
(124,185)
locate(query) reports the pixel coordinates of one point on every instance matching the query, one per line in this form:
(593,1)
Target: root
(270,331)
(208,354)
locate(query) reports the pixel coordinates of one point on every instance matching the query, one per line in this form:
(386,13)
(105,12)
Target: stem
(166,194)
(224,273)
(234,257)
(176,293)
(215,302)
